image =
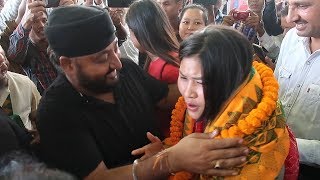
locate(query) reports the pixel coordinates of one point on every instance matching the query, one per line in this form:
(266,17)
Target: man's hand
(199,153)
(34,10)
(150,149)
(116,15)
(229,20)
(254,21)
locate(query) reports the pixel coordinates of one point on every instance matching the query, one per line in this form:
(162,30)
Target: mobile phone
(52,3)
(240,15)
(258,50)
(119,3)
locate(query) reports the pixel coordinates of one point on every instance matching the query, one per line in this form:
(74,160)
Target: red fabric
(292,160)
(164,71)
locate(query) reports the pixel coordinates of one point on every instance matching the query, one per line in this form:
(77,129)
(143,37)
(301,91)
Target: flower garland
(246,126)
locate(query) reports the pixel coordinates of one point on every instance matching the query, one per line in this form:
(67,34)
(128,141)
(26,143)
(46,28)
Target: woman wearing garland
(221,90)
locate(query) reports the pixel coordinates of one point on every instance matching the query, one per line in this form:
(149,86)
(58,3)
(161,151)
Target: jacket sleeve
(19,42)
(270,19)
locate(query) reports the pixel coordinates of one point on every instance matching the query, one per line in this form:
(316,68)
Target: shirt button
(299,85)
(308,63)
(289,105)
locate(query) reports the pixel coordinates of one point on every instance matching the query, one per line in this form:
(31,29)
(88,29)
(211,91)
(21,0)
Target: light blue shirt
(298,73)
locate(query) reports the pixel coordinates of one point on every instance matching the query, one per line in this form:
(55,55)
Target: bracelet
(134,169)
(160,157)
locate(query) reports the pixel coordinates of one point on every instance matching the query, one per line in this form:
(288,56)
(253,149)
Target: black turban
(76,30)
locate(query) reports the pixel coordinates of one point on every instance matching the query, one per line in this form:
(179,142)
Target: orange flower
(234,131)
(224,133)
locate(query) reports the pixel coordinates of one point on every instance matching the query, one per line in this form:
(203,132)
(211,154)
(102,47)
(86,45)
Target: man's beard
(97,85)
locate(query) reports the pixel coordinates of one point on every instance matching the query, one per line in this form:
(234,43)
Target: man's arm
(270,19)
(200,160)
(18,47)
(19,40)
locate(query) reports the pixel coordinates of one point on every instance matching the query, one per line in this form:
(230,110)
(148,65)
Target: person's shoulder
(60,93)
(18,77)
(19,80)
(128,62)
(292,33)
(128,66)
(290,39)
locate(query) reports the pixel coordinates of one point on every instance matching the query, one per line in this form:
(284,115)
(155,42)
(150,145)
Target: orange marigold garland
(245,126)
(257,116)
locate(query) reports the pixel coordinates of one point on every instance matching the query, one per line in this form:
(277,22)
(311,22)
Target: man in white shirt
(19,96)
(298,72)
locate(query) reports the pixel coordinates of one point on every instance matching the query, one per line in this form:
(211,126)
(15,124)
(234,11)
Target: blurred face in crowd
(171,7)
(97,73)
(256,5)
(191,21)
(305,14)
(37,32)
(190,85)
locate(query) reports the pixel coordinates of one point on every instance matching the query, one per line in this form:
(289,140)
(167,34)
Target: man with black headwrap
(100,108)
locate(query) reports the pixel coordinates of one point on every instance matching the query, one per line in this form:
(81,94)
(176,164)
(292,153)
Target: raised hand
(253,20)
(116,15)
(149,150)
(34,10)
(228,20)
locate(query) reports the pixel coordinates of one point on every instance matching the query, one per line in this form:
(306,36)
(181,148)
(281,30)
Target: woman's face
(256,5)
(190,85)
(191,21)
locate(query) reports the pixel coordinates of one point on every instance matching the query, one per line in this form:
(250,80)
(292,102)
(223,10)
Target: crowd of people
(160,89)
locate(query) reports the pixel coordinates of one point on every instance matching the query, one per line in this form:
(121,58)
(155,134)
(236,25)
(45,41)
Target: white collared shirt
(298,73)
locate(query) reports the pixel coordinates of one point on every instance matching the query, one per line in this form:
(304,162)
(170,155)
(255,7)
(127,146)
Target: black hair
(152,28)
(195,6)
(226,59)
(54,59)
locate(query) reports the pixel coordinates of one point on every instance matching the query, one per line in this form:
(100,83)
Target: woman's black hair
(226,59)
(152,28)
